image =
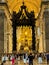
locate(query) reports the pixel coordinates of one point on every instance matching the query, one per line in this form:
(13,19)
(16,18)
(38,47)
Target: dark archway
(19,19)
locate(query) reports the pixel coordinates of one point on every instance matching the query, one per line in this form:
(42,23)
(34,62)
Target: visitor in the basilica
(24,58)
(47,57)
(31,57)
(2,60)
(13,60)
(40,58)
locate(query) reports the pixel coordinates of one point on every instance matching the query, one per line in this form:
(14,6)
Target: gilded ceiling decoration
(14,5)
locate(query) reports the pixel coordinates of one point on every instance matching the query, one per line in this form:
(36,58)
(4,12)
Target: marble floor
(21,63)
